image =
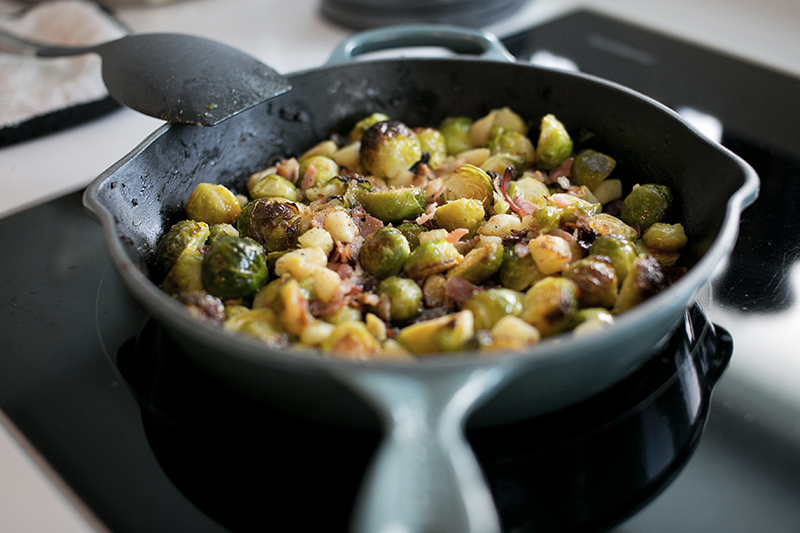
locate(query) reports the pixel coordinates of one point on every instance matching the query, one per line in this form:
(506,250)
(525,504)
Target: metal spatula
(177,78)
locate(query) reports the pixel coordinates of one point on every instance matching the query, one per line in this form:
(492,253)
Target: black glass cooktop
(150,445)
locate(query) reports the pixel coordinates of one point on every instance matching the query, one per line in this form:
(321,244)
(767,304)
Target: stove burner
(587,466)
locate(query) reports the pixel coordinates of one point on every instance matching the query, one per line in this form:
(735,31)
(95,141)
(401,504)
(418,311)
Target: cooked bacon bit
(525,207)
(427,215)
(563,182)
(434,196)
(341,298)
(458,289)
(368,299)
(289,169)
(369,225)
(308,178)
(561,171)
(560,202)
(358,211)
(455,235)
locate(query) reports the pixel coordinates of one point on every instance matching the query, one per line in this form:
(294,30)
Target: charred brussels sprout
(480,263)
(184,236)
(646,205)
(389,149)
(456,134)
(644,280)
(366,123)
(212,204)
(432,257)
(488,307)
(351,340)
(465,213)
(185,275)
(220,230)
(234,268)
(550,305)
(449,333)
(384,252)
(274,186)
(517,272)
(555,144)
(590,168)
(619,250)
(596,279)
(274,223)
(394,205)
(412,232)
(469,181)
(404,298)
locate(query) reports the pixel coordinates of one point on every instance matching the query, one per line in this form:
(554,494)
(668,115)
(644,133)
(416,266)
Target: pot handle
(457,39)
(424,476)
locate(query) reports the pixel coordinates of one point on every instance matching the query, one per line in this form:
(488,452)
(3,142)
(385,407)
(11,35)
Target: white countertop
(291,36)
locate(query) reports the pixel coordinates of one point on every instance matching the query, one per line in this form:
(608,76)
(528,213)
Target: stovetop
(69,329)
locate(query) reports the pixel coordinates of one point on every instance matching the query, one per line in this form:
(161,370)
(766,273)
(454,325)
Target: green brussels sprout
(389,149)
(261,324)
(184,236)
(555,144)
(590,168)
(351,340)
(404,297)
(274,186)
(619,250)
(332,187)
(511,142)
(354,192)
(275,223)
(432,142)
(504,118)
(645,279)
(547,218)
(412,232)
(384,252)
(326,148)
(364,124)
(518,273)
(573,208)
(393,205)
(550,305)
(444,334)
(645,205)
(480,263)
(597,280)
(529,189)
(220,230)
(344,314)
(591,319)
(212,204)
(469,181)
(465,213)
(489,306)
(432,257)
(456,134)
(665,237)
(185,274)
(499,163)
(234,268)
(326,168)
(605,224)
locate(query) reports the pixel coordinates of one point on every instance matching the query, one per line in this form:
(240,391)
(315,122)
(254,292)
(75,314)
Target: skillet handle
(456,39)
(424,476)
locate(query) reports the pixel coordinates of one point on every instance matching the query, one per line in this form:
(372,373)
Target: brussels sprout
(234,267)
(572,207)
(619,250)
(529,189)
(404,296)
(591,319)
(518,273)
(344,314)
(501,226)
(351,340)
(546,218)
(266,295)
(275,223)
(393,205)
(512,333)
(272,186)
(389,149)
(366,123)
(645,279)
(597,280)
(550,305)
(384,252)
(432,257)
(444,334)
(220,230)
(646,205)
(465,213)
(456,134)
(325,148)
(499,163)
(504,118)
(291,306)
(665,237)
(184,236)
(325,169)
(212,204)
(590,168)
(260,324)
(489,306)
(469,181)
(480,263)
(412,232)
(432,142)
(555,144)
(605,224)
(185,274)
(511,142)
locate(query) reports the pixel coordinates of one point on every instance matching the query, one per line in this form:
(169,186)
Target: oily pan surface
(147,193)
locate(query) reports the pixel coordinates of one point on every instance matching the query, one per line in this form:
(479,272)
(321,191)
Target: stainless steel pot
(425,477)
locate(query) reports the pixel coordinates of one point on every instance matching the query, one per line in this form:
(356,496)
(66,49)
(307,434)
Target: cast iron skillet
(424,476)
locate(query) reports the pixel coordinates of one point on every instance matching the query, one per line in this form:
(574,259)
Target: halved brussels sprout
(499,163)
(272,186)
(432,257)
(456,134)
(465,213)
(448,333)
(590,168)
(469,181)
(605,224)
(511,142)
(550,305)
(260,324)
(503,117)
(591,319)
(480,263)
(404,298)
(619,250)
(489,306)
(326,148)
(645,279)
(366,123)
(212,204)
(645,205)
(529,189)
(384,252)
(518,273)
(389,149)
(234,268)
(275,223)
(547,218)
(555,144)
(220,230)
(597,280)
(184,236)
(665,237)
(432,142)
(325,169)
(512,333)
(351,340)
(185,276)
(344,314)
(394,205)
(573,208)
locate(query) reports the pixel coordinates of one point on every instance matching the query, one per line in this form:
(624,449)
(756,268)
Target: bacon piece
(561,171)
(427,215)
(455,235)
(308,178)
(458,289)
(289,169)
